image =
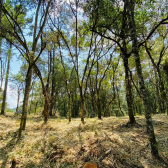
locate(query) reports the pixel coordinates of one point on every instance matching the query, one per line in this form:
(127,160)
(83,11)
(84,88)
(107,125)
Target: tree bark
(119,102)
(18,99)
(129,96)
(135,48)
(6,81)
(46,109)
(82,111)
(159,100)
(82,105)
(45,93)
(52,83)
(25,100)
(98,104)
(35,110)
(1,64)
(69,107)
(162,90)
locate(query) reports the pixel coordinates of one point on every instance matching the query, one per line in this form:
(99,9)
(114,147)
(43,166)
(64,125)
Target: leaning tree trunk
(26,100)
(45,93)
(6,81)
(129,96)
(135,48)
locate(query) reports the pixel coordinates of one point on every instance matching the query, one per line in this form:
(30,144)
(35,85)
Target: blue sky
(12,94)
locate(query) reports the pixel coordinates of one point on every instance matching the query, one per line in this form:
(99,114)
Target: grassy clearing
(107,142)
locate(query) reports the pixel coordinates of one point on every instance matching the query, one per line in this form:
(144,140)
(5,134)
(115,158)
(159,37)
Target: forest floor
(109,142)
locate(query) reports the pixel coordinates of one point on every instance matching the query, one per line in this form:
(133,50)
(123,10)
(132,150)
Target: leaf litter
(110,143)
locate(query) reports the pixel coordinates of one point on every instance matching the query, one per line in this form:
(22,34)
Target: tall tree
(31,54)
(116,30)
(6,80)
(130,6)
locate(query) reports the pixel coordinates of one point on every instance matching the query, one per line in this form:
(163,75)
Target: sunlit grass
(71,145)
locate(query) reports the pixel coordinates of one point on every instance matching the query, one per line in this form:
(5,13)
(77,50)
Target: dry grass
(107,142)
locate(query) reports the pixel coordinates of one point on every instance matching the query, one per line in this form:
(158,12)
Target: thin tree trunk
(160,109)
(163,101)
(98,104)
(31,101)
(45,93)
(35,110)
(26,100)
(69,107)
(82,105)
(46,109)
(82,111)
(119,102)
(18,99)
(135,48)
(129,96)
(162,90)
(1,63)
(52,85)
(108,106)
(6,81)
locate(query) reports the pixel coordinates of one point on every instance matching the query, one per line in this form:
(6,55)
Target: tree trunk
(159,100)
(26,100)
(31,101)
(46,109)
(82,104)
(16,113)
(82,111)
(119,102)
(35,110)
(98,104)
(69,107)
(52,82)
(129,96)
(45,93)
(162,90)
(6,81)
(1,63)
(135,48)
(163,101)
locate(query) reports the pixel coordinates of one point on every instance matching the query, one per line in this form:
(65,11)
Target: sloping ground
(109,142)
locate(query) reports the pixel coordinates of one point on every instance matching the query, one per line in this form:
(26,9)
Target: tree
(162,102)
(130,6)
(1,3)
(6,80)
(100,13)
(30,54)
(18,84)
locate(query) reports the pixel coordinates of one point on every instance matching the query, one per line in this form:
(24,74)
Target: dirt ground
(109,143)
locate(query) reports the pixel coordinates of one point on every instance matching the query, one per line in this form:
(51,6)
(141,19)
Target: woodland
(93,79)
